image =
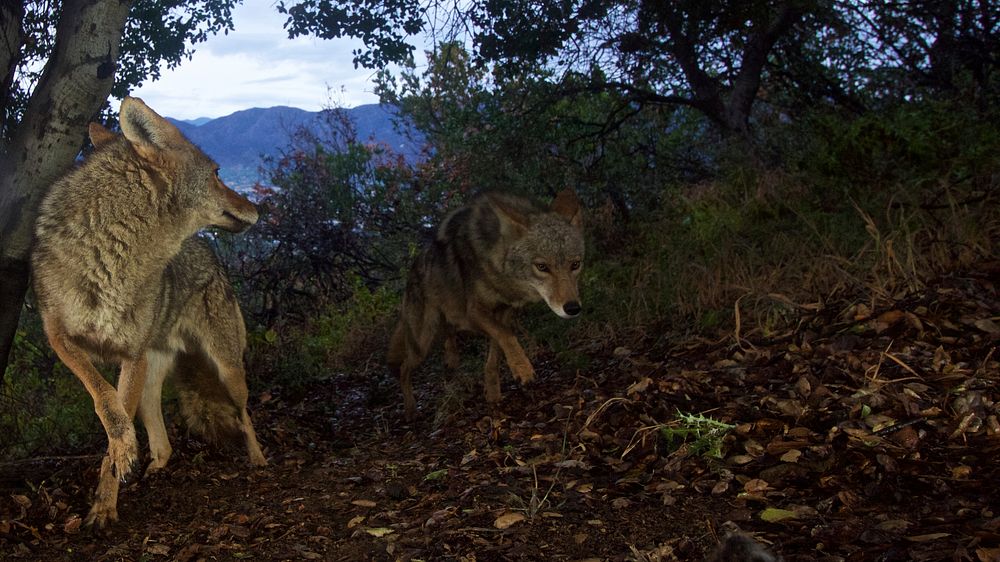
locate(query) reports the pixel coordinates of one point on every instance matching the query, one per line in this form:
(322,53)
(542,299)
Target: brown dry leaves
(868,430)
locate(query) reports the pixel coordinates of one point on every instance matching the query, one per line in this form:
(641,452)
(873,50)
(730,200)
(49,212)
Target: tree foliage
(336,210)
(382,25)
(720,58)
(525,139)
(157,34)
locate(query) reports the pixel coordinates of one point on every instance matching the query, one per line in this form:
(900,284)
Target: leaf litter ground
(861,435)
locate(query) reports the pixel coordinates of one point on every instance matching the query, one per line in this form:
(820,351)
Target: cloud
(256,65)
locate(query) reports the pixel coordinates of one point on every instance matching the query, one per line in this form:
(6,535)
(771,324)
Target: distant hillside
(238,141)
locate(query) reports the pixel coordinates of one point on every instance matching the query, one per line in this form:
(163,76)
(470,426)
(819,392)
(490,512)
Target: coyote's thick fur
(490,257)
(122,278)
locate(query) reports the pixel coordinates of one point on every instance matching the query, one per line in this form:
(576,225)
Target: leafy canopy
(158,34)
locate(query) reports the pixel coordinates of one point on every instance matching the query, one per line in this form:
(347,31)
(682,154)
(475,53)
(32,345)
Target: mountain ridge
(238,141)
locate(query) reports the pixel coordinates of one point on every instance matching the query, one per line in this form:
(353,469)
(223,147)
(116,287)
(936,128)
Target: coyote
(488,258)
(122,278)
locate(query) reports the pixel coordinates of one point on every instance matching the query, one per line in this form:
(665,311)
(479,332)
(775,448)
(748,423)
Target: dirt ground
(860,435)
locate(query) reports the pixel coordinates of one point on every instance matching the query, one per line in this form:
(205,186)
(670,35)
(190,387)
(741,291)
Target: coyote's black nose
(572,308)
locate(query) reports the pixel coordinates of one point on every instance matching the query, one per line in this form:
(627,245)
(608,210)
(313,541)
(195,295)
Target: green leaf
(773,515)
(436,475)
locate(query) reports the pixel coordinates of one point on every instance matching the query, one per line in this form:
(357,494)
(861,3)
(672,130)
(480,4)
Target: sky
(256,65)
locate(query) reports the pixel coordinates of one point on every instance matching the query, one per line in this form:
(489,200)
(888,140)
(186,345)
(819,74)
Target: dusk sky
(256,65)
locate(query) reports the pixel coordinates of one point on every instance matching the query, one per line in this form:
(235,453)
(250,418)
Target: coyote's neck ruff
(118,242)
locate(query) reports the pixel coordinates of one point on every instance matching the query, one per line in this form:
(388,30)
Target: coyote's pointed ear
(100,135)
(142,125)
(509,215)
(568,205)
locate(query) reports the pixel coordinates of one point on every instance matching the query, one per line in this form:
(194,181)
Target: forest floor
(860,435)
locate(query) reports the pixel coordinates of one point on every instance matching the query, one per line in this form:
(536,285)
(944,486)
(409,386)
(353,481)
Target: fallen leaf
(803,387)
(379,532)
(72,524)
(571,463)
(622,352)
(469,457)
(928,537)
(639,387)
(773,515)
(364,503)
(158,549)
(961,472)
(436,475)
(508,519)
(886,320)
(355,521)
(894,525)
(988,326)
(988,554)
(792,455)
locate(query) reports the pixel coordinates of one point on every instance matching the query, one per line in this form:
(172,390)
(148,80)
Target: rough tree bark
(75,82)
(11,39)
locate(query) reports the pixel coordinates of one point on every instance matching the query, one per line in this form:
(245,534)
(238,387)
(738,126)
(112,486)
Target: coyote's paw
(492,392)
(523,371)
(123,450)
(257,457)
(154,468)
(101,515)
(159,453)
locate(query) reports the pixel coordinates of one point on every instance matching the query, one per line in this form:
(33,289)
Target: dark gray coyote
(488,258)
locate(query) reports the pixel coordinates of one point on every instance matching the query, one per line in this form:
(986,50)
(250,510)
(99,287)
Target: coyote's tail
(205,405)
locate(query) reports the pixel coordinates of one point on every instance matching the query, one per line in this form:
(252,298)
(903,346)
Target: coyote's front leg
(130,385)
(122,446)
(498,329)
(491,382)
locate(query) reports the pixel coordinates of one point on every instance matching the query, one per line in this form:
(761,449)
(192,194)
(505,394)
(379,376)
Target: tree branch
(747,81)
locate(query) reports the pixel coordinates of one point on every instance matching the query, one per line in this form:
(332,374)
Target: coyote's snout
(489,258)
(121,277)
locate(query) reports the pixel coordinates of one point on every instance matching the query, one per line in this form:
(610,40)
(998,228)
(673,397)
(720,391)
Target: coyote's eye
(543,267)
(575,265)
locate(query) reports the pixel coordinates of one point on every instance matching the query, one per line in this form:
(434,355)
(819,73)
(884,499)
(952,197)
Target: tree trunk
(11,38)
(13,284)
(76,81)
